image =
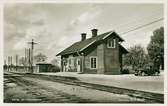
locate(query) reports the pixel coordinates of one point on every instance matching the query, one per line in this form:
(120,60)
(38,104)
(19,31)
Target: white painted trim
(88,45)
(108,35)
(111,43)
(96,62)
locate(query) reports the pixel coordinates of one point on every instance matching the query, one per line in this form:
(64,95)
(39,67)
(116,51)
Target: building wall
(84,63)
(100,55)
(108,59)
(42,68)
(120,60)
(87,68)
(69,63)
(111,59)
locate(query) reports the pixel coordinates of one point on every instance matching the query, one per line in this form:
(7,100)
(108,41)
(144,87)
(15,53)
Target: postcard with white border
(83,52)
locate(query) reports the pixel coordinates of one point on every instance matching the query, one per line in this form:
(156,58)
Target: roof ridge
(96,36)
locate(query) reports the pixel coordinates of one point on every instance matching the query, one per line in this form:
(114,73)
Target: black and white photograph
(74,52)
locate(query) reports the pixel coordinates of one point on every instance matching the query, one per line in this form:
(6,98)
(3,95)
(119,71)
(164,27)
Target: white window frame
(110,41)
(91,62)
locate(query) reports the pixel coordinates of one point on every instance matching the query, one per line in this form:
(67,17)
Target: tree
(40,57)
(136,57)
(156,47)
(56,65)
(55,62)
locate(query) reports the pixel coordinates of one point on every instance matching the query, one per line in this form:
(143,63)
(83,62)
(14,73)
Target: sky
(56,26)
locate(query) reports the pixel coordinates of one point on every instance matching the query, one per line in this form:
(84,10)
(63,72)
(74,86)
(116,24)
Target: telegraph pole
(32,43)
(10,57)
(8,63)
(29,59)
(26,58)
(5,65)
(5,62)
(16,62)
(11,61)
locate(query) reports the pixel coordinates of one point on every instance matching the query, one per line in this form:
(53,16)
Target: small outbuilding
(43,67)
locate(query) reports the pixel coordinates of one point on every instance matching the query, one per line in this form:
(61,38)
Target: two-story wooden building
(101,54)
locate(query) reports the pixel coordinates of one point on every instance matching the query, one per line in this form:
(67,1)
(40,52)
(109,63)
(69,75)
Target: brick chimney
(83,36)
(94,32)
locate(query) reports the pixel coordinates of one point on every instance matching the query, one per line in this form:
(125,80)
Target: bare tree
(40,57)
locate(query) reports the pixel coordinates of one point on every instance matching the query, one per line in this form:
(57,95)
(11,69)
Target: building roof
(42,63)
(122,49)
(81,45)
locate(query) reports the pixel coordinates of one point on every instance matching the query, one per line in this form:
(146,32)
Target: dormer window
(111,43)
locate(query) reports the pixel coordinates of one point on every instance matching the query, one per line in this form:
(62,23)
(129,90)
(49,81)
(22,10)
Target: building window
(93,62)
(111,43)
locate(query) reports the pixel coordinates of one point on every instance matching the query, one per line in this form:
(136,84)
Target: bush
(54,68)
(125,71)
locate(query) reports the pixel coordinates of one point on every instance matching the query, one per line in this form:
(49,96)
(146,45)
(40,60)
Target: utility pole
(16,61)
(25,55)
(4,62)
(26,59)
(29,59)
(5,65)
(8,63)
(32,43)
(11,61)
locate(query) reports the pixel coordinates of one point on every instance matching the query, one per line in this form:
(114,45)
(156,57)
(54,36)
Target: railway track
(38,94)
(147,96)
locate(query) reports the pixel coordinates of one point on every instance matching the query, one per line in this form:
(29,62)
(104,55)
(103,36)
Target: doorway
(78,64)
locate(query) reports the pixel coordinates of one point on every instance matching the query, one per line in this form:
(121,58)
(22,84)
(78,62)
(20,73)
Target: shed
(43,67)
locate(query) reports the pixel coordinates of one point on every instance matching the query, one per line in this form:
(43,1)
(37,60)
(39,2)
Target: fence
(19,69)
